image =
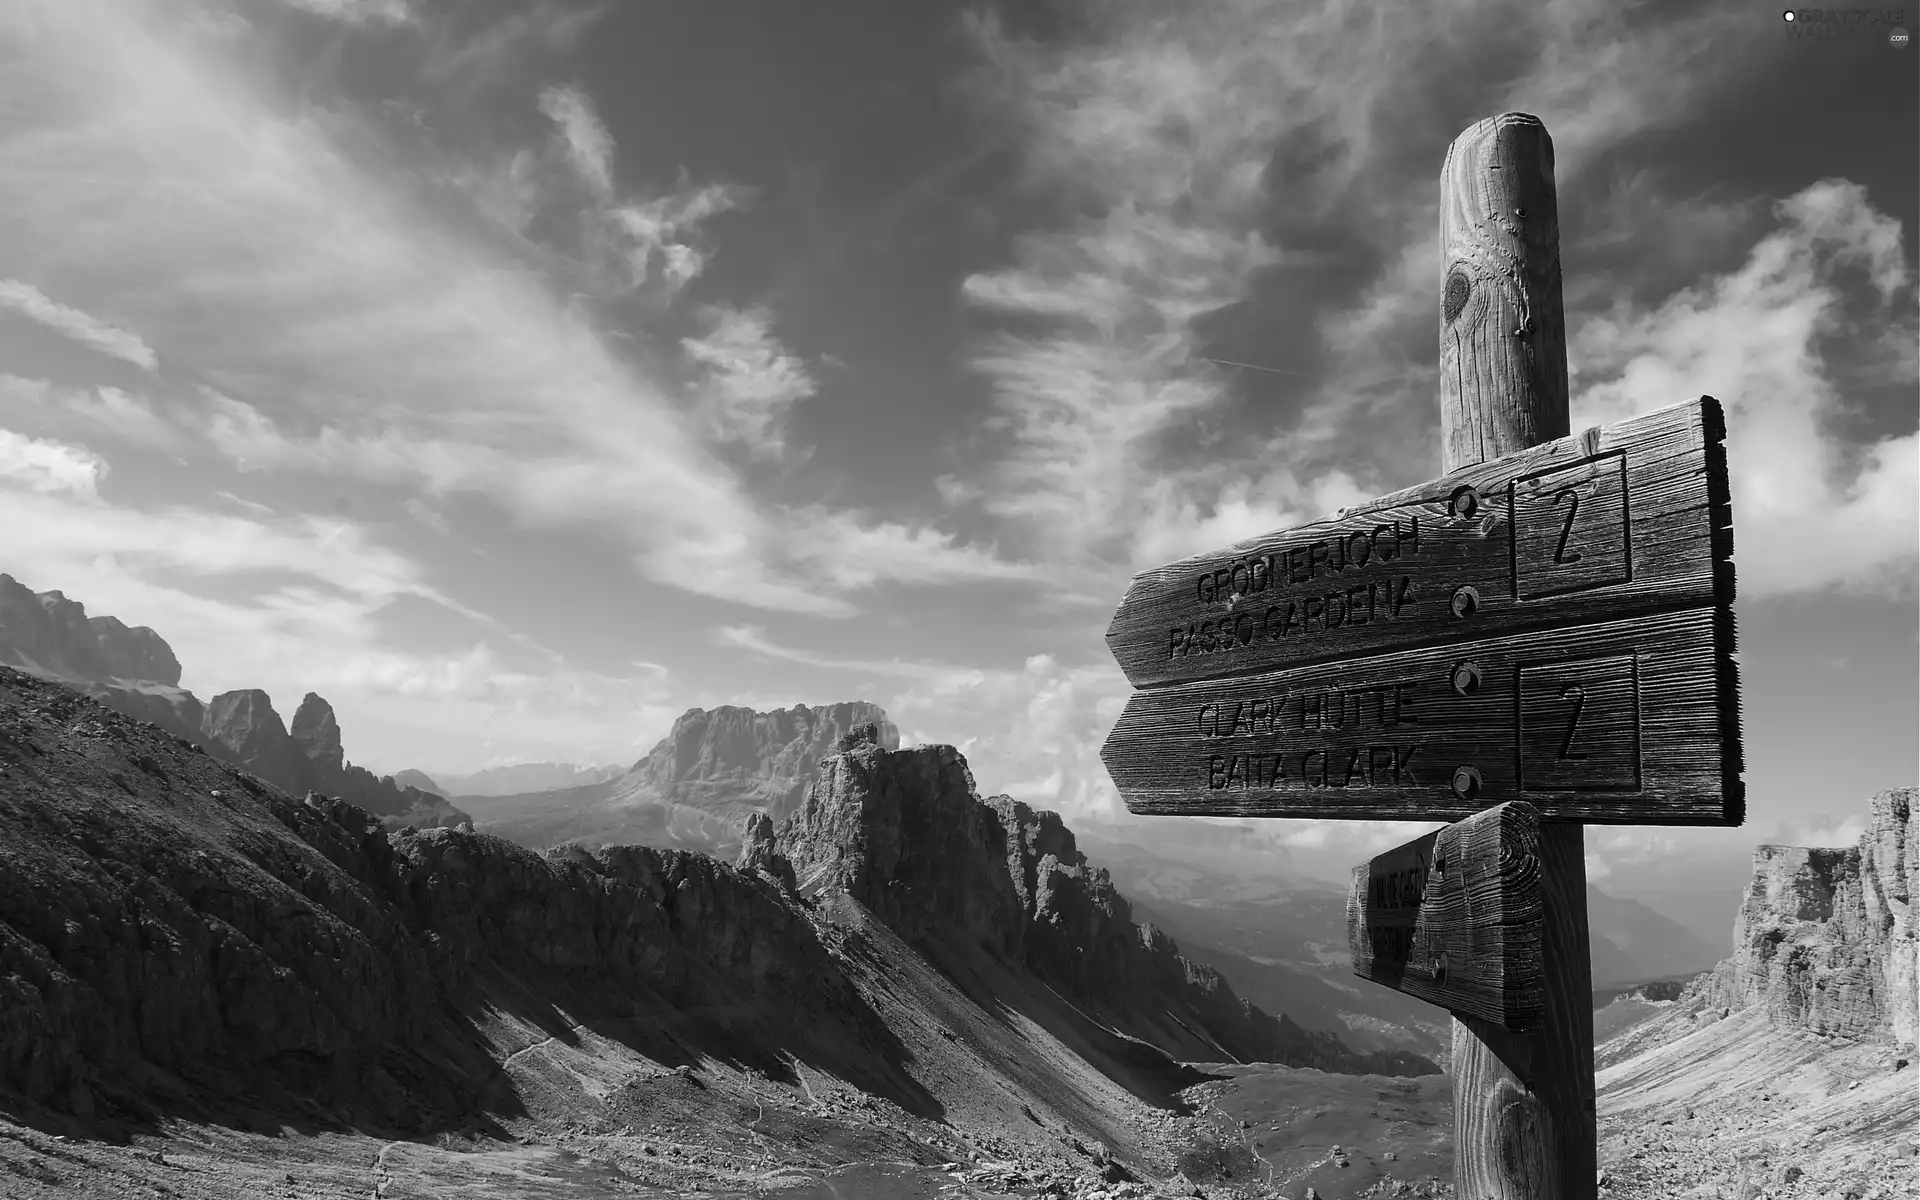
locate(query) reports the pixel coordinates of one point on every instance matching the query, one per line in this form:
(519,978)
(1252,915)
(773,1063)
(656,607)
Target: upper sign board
(1613,522)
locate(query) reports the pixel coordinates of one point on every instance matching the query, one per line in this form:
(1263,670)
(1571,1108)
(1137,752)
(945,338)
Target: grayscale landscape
(958,600)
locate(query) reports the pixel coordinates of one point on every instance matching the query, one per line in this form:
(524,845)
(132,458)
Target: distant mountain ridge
(512,779)
(134,671)
(1633,943)
(696,787)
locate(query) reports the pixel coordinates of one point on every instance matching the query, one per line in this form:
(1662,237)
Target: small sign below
(1454,918)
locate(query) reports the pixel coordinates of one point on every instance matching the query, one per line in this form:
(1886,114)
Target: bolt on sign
(1552,626)
(1454,918)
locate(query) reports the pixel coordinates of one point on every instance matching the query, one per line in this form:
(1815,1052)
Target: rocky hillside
(693,790)
(134,671)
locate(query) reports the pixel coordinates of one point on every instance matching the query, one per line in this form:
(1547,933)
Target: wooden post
(1523,1103)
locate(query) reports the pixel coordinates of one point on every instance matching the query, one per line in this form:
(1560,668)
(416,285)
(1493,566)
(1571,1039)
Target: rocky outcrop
(904,833)
(419,780)
(171,927)
(696,788)
(1824,939)
(243,728)
(732,760)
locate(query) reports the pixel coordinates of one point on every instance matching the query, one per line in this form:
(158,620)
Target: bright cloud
(32,303)
(1810,511)
(47,467)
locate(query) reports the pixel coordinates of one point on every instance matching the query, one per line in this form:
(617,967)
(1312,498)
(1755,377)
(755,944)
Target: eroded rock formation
(1824,939)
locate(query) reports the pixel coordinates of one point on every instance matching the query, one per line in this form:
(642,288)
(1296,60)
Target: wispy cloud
(588,144)
(350,326)
(32,303)
(750,381)
(357,12)
(753,639)
(87,413)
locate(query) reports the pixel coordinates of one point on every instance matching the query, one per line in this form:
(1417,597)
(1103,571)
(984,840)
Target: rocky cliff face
(134,671)
(731,760)
(904,833)
(1824,939)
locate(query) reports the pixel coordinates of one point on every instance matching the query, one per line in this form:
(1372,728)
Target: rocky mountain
(134,671)
(1789,1069)
(513,779)
(695,788)
(899,976)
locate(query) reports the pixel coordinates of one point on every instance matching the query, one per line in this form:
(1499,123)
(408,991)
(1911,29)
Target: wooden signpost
(1539,639)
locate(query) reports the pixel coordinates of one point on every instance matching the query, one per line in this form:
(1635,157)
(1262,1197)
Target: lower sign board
(1625,723)
(1454,918)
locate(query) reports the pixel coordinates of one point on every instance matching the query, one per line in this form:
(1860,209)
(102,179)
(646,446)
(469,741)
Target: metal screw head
(1466,679)
(1466,782)
(1465,601)
(1464,502)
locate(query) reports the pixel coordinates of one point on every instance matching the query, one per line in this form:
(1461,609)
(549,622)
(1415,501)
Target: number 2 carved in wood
(1560,554)
(1578,695)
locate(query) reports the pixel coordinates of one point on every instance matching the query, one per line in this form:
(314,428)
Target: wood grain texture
(1523,1103)
(1454,917)
(1615,521)
(1503,346)
(1617,723)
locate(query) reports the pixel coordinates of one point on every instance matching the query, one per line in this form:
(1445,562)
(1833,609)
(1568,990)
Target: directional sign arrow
(1613,522)
(1455,918)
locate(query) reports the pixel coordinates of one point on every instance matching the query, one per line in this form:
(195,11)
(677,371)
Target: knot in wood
(1459,287)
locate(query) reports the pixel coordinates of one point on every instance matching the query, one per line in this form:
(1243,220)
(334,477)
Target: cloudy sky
(519,375)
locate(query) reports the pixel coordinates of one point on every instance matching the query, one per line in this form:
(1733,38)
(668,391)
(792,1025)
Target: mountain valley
(783,955)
